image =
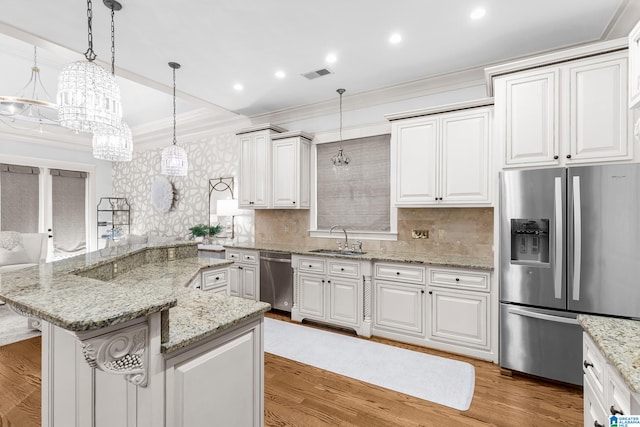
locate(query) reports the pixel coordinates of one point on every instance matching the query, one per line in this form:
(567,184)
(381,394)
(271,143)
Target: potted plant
(205,232)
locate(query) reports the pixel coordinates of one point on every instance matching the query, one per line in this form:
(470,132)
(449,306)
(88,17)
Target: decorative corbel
(123,352)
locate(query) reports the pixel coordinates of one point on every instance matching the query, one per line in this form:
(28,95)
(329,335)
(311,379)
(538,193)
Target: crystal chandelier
(340,160)
(28,105)
(174,157)
(88,96)
(113,143)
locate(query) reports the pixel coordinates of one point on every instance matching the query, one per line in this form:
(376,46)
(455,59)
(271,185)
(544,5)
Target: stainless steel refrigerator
(569,244)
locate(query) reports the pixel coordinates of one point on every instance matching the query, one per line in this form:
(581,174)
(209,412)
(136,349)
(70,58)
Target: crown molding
(412,89)
(623,21)
(52,136)
(484,102)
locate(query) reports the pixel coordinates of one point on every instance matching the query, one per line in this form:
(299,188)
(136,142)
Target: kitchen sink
(336,252)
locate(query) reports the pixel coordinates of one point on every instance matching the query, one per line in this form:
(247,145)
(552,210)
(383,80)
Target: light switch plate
(419,234)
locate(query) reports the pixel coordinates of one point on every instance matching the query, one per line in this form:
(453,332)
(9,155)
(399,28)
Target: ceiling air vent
(315,74)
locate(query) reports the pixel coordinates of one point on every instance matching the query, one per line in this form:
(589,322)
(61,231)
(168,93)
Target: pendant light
(88,96)
(29,105)
(174,157)
(340,160)
(113,143)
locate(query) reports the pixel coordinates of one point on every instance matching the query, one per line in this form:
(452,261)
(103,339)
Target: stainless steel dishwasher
(276,280)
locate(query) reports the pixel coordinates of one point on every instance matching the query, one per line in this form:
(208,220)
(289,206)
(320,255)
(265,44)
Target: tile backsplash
(454,231)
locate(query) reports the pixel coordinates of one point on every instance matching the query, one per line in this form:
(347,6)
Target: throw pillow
(10,239)
(17,255)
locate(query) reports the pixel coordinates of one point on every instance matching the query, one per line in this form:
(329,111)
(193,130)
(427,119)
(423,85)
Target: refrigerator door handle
(577,238)
(542,316)
(557,207)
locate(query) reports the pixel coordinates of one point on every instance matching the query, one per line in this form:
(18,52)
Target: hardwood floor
(301,395)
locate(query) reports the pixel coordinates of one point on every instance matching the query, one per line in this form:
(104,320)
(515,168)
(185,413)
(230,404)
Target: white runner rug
(432,378)
(13,327)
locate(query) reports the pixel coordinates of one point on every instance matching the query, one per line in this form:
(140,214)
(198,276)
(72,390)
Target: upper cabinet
(441,158)
(575,112)
(274,168)
(634,67)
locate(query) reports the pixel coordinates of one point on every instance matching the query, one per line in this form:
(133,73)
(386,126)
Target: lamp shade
(227,207)
(174,161)
(88,97)
(114,144)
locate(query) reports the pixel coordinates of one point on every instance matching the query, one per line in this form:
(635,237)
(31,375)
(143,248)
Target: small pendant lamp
(340,160)
(174,157)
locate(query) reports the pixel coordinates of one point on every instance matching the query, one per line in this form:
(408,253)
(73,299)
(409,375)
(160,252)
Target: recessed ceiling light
(395,38)
(238,87)
(478,13)
(331,58)
(280,74)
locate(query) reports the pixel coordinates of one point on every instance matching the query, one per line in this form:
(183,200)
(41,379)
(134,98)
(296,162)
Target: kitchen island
(126,341)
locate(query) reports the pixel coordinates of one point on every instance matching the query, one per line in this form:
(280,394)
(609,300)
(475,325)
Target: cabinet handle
(240,268)
(587,365)
(457,279)
(597,424)
(430,292)
(328,281)
(422,291)
(555,157)
(322,280)
(568,156)
(397,273)
(310,266)
(294,202)
(615,411)
(217,278)
(341,269)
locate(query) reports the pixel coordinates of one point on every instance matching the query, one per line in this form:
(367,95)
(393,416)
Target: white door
(285,173)
(414,146)
(465,157)
(459,318)
(399,307)
(599,125)
(527,117)
(343,300)
(234,280)
(249,279)
(311,295)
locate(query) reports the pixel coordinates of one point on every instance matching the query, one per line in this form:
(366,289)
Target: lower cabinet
(214,280)
(244,274)
(233,393)
(459,318)
(331,290)
(605,392)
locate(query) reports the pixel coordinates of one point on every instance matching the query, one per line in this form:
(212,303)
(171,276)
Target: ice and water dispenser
(529,241)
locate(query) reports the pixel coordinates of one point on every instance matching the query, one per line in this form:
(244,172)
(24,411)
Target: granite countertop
(63,294)
(459,261)
(619,341)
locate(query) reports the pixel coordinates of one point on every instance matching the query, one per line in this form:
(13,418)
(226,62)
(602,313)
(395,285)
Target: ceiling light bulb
(331,58)
(478,13)
(395,38)
(280,74)
(238,87)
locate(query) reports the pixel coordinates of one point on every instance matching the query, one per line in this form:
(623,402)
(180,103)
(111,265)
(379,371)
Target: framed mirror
(220,198)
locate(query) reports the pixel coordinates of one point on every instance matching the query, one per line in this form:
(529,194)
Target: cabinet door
(286,170)
(261,176)
(598,116)
(634,67)
(527,117)
(249,280)
(234,280)
(245,187)
(594,412)
(465,157)
(311,298)
(399,307)
(459,318)
(343,300)
(414,159)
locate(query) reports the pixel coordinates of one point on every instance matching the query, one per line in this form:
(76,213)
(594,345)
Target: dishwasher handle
(286,261)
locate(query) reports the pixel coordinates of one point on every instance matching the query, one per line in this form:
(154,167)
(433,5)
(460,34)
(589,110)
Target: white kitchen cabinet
(459,307)
(244,273)
(331,290)
(399,299)
(233,395)
(571,113)
(214,280)
(290,170)
(605,392)
(255,157)
(441,159)
(634,67)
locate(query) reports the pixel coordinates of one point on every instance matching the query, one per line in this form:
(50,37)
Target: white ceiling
(220,43)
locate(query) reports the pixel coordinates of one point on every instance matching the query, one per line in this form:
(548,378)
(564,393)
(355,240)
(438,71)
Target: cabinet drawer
(249,257)
(400,272)
(234,255)
(214,278)
(344,268)
(619,396)
(593,364)
(459,279)
(312,265)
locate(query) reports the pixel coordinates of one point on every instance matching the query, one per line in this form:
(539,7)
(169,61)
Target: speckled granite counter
(619,341)
(119,284)
(444,261)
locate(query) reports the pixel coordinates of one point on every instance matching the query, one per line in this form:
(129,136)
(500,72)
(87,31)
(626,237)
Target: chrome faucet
(346,238)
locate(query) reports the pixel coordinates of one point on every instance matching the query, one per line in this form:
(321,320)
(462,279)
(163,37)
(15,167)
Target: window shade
(19,198)
(68,205)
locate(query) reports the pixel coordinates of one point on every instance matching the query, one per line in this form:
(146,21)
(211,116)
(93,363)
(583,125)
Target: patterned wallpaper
(209,157)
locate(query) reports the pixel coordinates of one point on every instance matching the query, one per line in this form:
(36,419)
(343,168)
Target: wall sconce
(228,207)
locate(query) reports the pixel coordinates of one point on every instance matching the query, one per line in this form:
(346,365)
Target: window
(19,198)
(358,199)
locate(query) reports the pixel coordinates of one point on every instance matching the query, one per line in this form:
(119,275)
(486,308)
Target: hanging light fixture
(88,96)
(113,143)
(340,160)
(174,157)
(29,105)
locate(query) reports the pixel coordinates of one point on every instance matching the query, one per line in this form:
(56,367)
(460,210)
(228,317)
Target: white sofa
(35,252)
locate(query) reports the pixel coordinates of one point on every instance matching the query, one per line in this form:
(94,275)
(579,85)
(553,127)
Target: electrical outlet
(441,234)
(419,234)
